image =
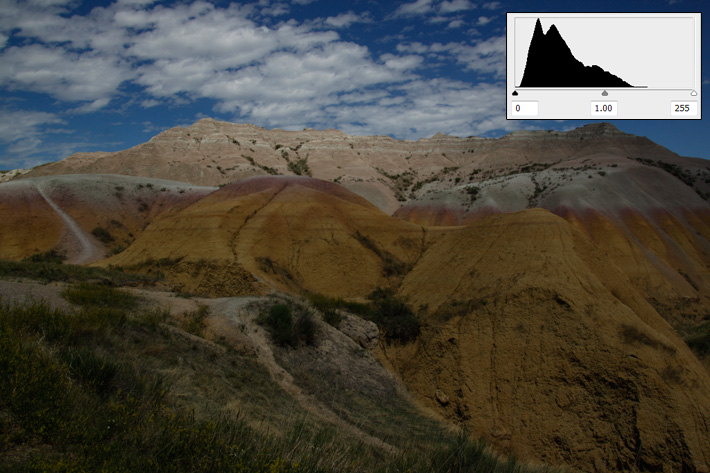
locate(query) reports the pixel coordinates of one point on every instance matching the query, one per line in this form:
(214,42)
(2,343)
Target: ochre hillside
(300,233)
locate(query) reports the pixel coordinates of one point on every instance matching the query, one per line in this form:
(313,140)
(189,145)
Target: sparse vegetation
(103,235)
(97,295)
(48,271)
(289,324)
(472,192)
(50,256)
(391,265)
(698,339)
(393,316)
(194,321)
(300,167)
(79,394)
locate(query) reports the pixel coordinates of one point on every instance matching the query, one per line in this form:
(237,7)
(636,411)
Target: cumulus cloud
(456,6)
(418,7)
(484,20)
(483,57)
(344,20)
(491,5)
(21,131)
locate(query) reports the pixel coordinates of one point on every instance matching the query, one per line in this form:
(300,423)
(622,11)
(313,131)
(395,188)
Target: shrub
(279,322)
(102,235)
(300,167)
(305,327)
(287,329)
(393,316)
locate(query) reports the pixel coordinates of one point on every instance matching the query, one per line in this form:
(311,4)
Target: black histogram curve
(550,63)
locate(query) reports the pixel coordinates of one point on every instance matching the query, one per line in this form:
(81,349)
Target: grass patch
(194,321)
(69,402)
(51,256)
(50,271)
(96,295)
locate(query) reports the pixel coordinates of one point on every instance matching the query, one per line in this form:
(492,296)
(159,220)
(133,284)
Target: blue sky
(105,76)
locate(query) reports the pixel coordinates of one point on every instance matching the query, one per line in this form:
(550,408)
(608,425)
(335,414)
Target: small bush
(279,322)
(299,167)
(287,329)
(103,235)
(394,316)
(305,327)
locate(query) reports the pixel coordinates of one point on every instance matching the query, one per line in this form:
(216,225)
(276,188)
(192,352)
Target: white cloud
(402,63)
(419,7)
(492,5)
(22,131)
(60,73)
(426,107)
(344,20)
(485,57)
(484,20)
(456,6)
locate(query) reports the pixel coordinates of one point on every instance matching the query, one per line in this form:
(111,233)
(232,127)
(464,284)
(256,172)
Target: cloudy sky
(89,76)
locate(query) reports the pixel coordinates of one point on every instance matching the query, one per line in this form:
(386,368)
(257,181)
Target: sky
(80,76)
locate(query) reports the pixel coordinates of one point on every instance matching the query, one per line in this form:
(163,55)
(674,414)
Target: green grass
(48,270)
(77,396)
(97,295)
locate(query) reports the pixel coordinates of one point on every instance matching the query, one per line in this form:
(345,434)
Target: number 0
(517,108)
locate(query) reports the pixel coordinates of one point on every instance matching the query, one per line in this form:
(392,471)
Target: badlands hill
(643,204)
(550,305)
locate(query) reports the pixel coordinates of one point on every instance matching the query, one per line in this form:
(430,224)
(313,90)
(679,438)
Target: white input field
(684,109)
(524,109)
(605,108)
